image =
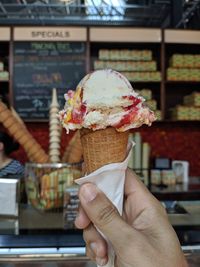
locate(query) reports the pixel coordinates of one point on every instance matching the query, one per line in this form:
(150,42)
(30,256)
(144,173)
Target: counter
(40,237)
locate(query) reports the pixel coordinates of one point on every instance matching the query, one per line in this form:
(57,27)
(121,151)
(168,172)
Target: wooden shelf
(181,82)
(145,82)
(162,43)
(178,121)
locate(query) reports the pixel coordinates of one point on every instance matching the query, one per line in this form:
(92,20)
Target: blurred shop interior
(46,48)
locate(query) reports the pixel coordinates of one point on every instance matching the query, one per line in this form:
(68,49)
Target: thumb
(103,214)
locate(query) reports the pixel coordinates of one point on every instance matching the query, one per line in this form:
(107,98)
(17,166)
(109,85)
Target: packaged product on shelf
(194,113)
(99,64)
(155,76)
(125,54)
(168,177)
(4,75)
(152,104)
(158,115)
(143,76)
(176,61)
(185,61)
(146,55)
(114,54)
(1,66)
(181,113)
(126,65)
(155,177)
(104,54)
(183,74)
(192,99)
(146,93)
(70,205)
(197,61)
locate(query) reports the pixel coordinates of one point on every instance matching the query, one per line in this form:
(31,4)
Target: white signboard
(8,197)
(50,34)
(182,36)
(102,34)
(4,34)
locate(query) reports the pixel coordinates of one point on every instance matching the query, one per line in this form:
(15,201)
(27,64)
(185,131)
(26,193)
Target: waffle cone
(73,152)
(2,107)
(9,121)
(18,130)
(4,115)
(103,147)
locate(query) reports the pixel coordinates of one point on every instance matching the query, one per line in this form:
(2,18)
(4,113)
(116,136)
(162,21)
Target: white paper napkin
(110,179)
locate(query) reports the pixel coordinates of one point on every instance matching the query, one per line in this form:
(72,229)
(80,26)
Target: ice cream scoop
(104,98)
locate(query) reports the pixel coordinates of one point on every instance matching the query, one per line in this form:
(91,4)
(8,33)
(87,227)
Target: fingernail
(101,261)
(88,192)
(93,247)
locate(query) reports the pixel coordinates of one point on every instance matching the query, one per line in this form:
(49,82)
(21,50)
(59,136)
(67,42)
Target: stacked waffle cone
(73,152)
(18,130)
(54,130)
(103,147)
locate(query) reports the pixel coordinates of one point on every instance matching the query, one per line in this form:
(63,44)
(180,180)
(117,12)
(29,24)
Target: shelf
(178,121)
(145,82)
(181,82)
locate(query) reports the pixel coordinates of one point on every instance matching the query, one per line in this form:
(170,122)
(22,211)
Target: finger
(138,193)
(133,184)
(103,214)
(141,204)
(91,255)
(96,246)
(82,221)
(95,241)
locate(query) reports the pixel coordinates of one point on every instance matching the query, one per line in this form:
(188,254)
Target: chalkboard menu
(41,66)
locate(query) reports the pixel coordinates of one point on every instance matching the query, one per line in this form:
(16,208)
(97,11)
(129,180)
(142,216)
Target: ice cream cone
(4,115)
(103,147)
(73,152)
(17,117)
(54,129)
(19,134)
(9,121)
(13,129)
(17,129)
(2,106)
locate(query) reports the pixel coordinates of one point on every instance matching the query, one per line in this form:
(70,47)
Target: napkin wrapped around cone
(110,179)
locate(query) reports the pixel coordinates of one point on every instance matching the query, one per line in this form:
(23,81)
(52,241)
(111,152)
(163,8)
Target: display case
(182,77)
(136,53)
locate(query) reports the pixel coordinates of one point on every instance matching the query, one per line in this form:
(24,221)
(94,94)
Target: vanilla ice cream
(104,98)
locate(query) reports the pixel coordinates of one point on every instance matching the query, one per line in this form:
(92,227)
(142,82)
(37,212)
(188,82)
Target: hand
(142,237)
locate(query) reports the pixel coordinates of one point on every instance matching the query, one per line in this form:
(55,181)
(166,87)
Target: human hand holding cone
(104,107)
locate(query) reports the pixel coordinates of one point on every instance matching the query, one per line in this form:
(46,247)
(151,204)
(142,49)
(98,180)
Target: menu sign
(78,34)
(41,66)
